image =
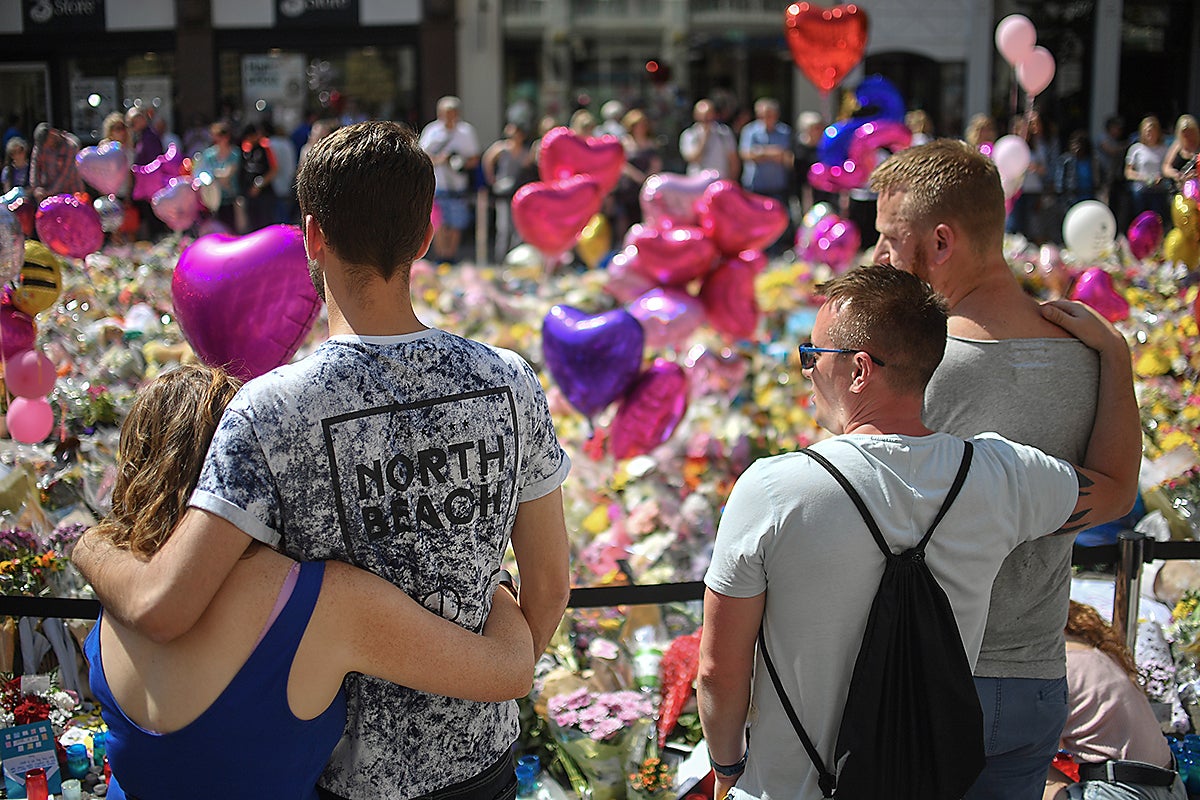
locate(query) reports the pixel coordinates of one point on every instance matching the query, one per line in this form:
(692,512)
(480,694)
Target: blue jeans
(1023,719)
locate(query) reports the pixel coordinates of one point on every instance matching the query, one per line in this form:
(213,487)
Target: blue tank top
(247,744)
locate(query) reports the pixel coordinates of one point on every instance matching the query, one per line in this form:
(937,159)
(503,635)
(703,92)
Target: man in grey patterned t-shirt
(1009,371)
(407,451)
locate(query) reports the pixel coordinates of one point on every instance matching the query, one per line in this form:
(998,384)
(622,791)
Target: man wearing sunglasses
(793,556)
(1008,370)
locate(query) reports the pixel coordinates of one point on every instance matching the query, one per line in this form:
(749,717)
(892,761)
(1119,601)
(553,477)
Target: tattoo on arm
(1075,522)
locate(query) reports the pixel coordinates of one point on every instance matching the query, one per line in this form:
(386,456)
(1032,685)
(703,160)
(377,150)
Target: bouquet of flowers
(596,729)
(20,705)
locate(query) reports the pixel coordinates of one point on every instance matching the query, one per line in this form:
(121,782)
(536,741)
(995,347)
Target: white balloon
(1089,230)
(1012,157)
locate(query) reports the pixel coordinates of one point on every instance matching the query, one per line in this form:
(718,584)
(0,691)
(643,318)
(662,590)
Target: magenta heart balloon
(715,372)
(104,167)
(738,220)
(246,303)
(650,411)
(669,199)
(871,137)
(149,179)
(592,357)
(564,154)
(177,204)
(835,242)
(1095,288)
(671,256)
(836,178)
(69,227)
(550,216)
(18,332)
(1145,234)
(625,281)
(729,300)
(668,316)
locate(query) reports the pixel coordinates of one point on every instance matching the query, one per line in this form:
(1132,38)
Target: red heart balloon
(564,154)
(738,220)
(550,216)
(729,300)
(671,256)
(826,43)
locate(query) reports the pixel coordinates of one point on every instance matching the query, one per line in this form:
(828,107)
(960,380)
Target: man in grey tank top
(1007,370)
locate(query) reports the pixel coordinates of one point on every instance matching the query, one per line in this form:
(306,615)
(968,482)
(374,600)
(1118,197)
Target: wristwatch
(729,770)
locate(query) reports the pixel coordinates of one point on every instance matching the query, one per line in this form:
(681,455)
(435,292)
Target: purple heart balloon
(177,204)
(593,357)
(246,303)
(104,167)
(69,227)
(1095,288)
(1145,234)
(650,410)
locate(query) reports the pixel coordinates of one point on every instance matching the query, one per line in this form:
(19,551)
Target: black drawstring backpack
(912,727)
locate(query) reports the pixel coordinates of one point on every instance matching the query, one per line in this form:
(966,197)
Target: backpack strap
(955,487)
(876,534)
(825,779)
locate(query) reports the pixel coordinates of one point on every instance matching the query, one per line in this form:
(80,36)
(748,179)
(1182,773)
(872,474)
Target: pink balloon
(68,226)
(17,330)
(177,204)
(715,372)
(246,303)
(1035,71)
(835,241)
(625,281)
(835,178)
(729,299)
(668,316)
(1095,288)
(104,167)
(30,420)
(550,216)
(738,220)
(870,137)
(650,411)
(29,374)
(564,154)
(1015,38)
(671,256)
(152,177)
(669,199)
(1145,234)
(1191,189)
(1012,158)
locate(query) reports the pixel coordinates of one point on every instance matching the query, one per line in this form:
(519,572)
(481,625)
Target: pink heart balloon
(715,372)
(671,256)
(870,137)
(151,178)
(246,303)
(729,299)
(835,178)
(1095,288)
(669,199)
(650,411)
(1036,70)
(177,204)
(835,241)
(104,167)
(1191,189)
(17,330)
(738,220)
(668,316)
(550,216)
(564,154)
(68,226)
(625,281)
(1145,234)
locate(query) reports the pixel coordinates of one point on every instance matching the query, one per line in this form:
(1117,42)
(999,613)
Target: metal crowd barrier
(1131,551)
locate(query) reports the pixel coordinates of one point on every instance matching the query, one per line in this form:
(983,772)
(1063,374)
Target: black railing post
(1131,551)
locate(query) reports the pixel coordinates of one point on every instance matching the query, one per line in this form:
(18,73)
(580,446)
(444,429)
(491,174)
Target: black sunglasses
(809,354)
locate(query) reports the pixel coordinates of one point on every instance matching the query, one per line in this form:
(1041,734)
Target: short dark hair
(893,315)
(370,188)
(947,180)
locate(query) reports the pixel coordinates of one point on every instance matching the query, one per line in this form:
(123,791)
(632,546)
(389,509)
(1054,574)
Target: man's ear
(314,238)
(864,372)
(944,241)
(425,242)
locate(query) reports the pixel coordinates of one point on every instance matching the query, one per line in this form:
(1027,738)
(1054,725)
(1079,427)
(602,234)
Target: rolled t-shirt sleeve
(546,464)
(236,483)
(748,524)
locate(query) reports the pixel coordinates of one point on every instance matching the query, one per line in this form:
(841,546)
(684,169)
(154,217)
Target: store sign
(316,13)
(63,16)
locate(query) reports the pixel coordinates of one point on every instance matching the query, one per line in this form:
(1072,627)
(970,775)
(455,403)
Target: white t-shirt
(790,530)
(718,148)
(437,140)
(408,456)
(1147,161)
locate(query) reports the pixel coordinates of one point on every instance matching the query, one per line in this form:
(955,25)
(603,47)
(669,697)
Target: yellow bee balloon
(40,281)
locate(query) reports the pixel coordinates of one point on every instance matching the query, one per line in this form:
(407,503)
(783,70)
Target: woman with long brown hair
(249,702)
(1111,731)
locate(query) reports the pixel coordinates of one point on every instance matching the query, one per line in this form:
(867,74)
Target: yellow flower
(1153,362)
(597,521)
(1174,439)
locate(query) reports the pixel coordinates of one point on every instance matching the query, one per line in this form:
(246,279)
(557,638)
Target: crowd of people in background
(254,164)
